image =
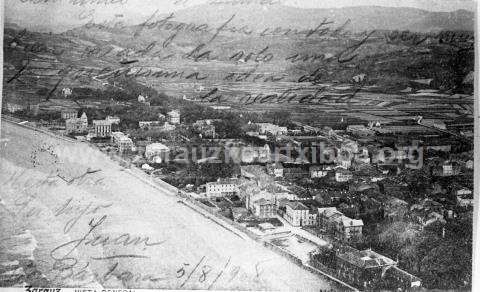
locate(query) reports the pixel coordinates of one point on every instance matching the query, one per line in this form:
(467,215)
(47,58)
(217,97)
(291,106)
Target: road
(113,230)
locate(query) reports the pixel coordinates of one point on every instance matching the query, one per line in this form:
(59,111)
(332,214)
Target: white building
(464,192)
(156,152)
(439,124)
(77,125)
(167,127)
(342,175)
(66,92)
(250,154)
(113,119)
(447,169)
(220,107)
(142,99)
(274,197)
(333,221)
(14,107)
(345,163)
(264,208)
(360,130)
(69,114)
(464,202)
(124,143)
(102,128)
(222,187)
(297,214)
(264,128)
(362,157)
(174,117)
(469,164)
(149,124)
(359,78)
(318,172)
(275,169)
(465,198)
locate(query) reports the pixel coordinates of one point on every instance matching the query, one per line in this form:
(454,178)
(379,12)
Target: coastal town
(322,197)
(238,145)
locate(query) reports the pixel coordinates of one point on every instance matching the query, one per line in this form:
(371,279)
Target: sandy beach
(96,225)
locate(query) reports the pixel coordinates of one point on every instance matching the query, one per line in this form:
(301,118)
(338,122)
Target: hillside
(90,49)
(362,17)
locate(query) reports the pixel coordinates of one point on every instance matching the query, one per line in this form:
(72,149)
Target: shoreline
(173,192)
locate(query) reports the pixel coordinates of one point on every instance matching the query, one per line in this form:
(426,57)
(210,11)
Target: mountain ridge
(362,18)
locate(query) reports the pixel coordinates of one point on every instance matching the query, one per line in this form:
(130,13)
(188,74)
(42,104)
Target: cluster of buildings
(79,125)
(265,204)
(165,123)
(205,128)
(13,107)
(102,129)
(292,172)
(334,222)
(271,129)
(250,154)
(366,269)
(161,126)
(262,130)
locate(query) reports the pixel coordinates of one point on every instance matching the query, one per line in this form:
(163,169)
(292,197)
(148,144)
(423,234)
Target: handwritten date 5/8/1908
(66,266)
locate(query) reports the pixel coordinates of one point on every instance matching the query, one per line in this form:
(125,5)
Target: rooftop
(263,201)
(348,222)
(297,206)
(102,123)
(157,146)
(223,181)
(329,211)
(69,110)
(173,113)
(366,259)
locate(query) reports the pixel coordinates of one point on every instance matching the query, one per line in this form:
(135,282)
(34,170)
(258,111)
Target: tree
(231,127)
(279,117)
